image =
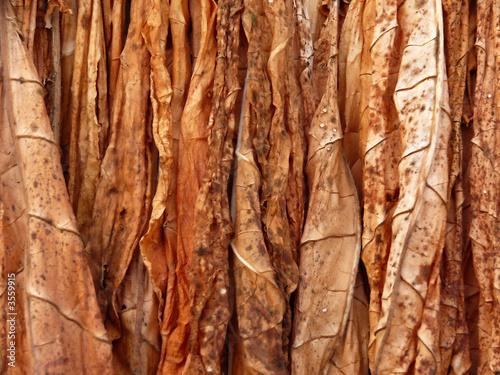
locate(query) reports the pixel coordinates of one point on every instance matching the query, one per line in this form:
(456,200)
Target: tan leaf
(484,182)
(193,152)
(122,205)
(268,191)
(324,297)
(350,88)
(60,317)
(453,326)
(209,271)
(89,114)
(181,75)
(407,331)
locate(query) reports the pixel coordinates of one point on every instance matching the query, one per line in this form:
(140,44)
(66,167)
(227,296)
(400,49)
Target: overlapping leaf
(60,317)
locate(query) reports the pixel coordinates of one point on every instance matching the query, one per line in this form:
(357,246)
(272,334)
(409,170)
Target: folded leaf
(484,182)
(407,332)
(122,205)
(89,115)
(60,324)
(209,271)
(324,298)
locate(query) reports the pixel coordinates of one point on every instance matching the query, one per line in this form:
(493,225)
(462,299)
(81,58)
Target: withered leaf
(407,331)
(181,75)
(331,238)
(268,198)
(484,182)
(60,327)
(121,208)
(209,271)
(192,159)
(453,326)
(89,114)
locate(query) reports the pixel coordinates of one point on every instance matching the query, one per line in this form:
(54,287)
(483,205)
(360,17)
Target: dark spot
(425,272)
(85,21)
(395,196)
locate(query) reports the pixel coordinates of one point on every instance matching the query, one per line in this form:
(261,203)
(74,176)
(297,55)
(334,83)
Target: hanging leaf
(324,298)
(89,114)
(59,319)
(484,182)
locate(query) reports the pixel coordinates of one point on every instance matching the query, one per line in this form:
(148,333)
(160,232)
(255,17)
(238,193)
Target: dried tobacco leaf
(306,53)
(260,304)
(351,356)
(317,16)
(484,182)
(13,242)
(69,21)
(193,152)
(89,114)
(454,335)
(152,245)
(350,88)
(25,13)
(181,75)
(323,297)
(379,136)
(429,184)
(282,157)
(407,332)
(124,189)
(61,322)
(209,271)
(296,119)
(471,285)
(115,43)
(453,326)
(268,196)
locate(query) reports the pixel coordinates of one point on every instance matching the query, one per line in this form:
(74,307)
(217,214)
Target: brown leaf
(268,191)
(350,88)
(122,205)
(484,182)
(89,117)
(380,149)
(453,326)
(181,75)
(115,41)
(306,53)
(324,297)
(351,356)
(69,22)
(209,271)
(407,332)
(193,151)
(154,244)
(60,318)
